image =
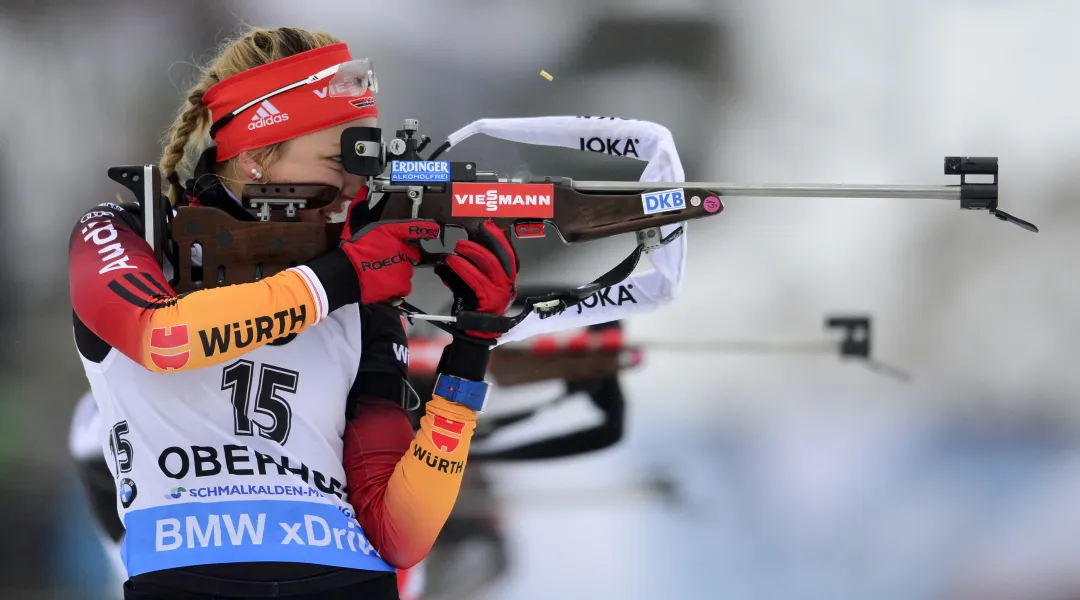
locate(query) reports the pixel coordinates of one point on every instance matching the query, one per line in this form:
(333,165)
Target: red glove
(482,274)
(382,254)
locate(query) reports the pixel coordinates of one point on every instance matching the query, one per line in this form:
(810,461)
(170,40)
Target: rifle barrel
(680,346)
(930,192)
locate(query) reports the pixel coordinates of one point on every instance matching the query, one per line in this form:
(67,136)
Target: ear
(246,162)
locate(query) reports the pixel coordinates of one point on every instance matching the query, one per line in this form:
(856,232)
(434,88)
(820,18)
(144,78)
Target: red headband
(299,111)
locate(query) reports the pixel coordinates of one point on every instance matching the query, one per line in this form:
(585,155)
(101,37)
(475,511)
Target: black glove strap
(466,359)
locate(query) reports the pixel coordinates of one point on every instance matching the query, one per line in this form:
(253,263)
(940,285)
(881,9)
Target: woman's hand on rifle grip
(482,273)
(384,253)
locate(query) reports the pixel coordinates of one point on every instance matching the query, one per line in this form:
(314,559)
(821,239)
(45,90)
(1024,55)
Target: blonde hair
(189,134)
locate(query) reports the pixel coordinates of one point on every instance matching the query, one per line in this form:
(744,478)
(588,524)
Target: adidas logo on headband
(267,115)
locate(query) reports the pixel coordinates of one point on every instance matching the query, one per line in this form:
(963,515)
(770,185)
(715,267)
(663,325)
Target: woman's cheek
(333,178)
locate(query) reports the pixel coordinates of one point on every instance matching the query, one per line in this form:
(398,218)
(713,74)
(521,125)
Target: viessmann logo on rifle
(533,200)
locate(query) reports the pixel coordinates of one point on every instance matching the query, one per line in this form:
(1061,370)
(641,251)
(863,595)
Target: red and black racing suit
(400,502)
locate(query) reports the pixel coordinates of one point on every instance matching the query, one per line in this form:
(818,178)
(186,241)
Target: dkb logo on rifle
(665,201)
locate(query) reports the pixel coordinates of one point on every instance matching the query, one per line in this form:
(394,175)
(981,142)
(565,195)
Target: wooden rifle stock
(235,251)
(578,216)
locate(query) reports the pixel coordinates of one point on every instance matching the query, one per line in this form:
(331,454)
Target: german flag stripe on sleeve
(404,485)
(120,293)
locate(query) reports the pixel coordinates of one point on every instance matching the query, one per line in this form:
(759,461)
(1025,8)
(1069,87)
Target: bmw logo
(128,492)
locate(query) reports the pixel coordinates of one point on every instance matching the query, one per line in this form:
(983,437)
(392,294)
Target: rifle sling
(546,305)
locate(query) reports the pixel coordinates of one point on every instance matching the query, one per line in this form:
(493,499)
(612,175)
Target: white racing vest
(641,292)
(239,462)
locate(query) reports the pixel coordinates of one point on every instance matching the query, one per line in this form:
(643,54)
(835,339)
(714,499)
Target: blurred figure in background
(99,486)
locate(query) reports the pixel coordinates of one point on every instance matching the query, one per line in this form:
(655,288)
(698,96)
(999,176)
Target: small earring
(256,174)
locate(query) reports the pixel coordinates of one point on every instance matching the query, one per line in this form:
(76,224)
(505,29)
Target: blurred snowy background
(795,477)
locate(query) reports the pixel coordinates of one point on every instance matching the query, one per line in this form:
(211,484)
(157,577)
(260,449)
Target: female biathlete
(254,432)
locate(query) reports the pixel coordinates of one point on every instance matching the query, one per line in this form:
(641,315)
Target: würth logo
(169,348)
(267,115)
(446,434)
(402,353)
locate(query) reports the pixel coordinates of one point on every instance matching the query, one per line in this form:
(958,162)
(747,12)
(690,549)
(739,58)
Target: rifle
(457,195)
(579,355)
(590,360)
